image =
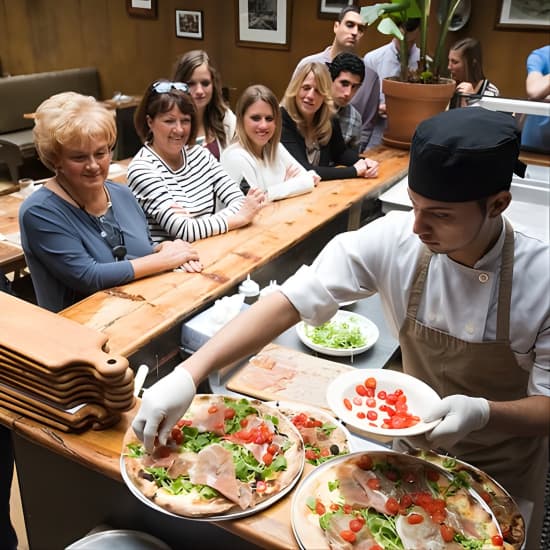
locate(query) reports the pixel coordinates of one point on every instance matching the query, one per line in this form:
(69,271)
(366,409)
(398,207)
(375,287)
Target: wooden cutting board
(279,373)
(51,341)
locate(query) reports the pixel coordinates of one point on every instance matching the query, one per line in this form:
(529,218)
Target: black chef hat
(464,154)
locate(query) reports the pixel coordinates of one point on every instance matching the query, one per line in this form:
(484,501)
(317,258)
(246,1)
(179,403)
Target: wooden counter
(134,314)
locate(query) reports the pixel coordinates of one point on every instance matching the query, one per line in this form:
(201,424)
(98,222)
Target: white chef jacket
(459,300)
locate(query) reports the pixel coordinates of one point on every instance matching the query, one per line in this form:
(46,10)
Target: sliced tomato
(372,415)
(212,409)
(229,413)
(361,390)
(348,536)
(347,404)
(373,483)
(447,532)
(365,462)
(361,415)
(415,519)
(392,506)
(267,459)
(355,525)
(319,508)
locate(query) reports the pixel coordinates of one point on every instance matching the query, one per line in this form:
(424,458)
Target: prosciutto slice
(215,468)
(420,536)
(339,523)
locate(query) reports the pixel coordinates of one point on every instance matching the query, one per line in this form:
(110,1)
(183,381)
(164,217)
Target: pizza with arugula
(226,457)
(324,437)
(384,500)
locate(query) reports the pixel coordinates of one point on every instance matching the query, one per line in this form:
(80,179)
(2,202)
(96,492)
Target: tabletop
(134,314)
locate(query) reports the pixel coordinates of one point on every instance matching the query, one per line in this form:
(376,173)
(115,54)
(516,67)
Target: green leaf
(135,450)
(388,26)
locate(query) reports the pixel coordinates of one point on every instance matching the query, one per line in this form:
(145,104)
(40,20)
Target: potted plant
(425,87)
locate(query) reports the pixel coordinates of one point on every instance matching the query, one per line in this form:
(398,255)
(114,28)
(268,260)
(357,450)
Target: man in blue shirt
(536,130)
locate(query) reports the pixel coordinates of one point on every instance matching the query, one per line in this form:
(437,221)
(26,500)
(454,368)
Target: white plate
(367,327)
(420,397)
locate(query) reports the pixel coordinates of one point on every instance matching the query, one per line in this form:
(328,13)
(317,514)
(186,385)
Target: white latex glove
(162,405)
(460,416)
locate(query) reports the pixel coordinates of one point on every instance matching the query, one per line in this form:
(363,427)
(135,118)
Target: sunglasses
(165,87)
(113,237)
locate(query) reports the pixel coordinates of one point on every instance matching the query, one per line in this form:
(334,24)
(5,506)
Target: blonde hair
(322,119)
(248,98)
(69,118)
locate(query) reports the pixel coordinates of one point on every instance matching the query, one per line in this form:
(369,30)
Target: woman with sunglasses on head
(79,232)
(311,132)
(258,159)
(177,182)
(215,120)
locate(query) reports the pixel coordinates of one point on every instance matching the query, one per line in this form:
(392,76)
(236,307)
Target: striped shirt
(181,204)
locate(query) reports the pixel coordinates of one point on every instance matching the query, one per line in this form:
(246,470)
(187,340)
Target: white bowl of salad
(346,334)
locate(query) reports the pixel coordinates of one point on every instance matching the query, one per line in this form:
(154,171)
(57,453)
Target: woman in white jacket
(257,158)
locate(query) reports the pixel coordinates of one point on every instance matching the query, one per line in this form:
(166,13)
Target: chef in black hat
(467,296)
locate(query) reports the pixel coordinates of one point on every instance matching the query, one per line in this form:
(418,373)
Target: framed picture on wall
(189,24)
(532,15)
(329,9)
(263,23)
(142,8)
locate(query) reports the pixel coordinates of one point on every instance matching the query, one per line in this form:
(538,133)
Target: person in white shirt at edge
(215,120)
(348,31)
(386,59)
(257,158)
(466,295)
(176,182)
(347,72)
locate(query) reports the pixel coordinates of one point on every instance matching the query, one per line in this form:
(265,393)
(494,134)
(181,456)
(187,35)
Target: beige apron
(481,369)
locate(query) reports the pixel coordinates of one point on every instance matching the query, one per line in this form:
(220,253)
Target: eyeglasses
(164,87)
(113,237)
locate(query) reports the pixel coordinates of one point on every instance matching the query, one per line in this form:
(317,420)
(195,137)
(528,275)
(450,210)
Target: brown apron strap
(505,286)
(418,282)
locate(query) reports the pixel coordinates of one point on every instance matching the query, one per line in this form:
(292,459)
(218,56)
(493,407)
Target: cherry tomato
(447,533)
(405,501)
(372,415)
(334,507)
(348,536)
(392,506)
(261,486)
(183,422)
(267,459)
(355,525)
(371,402)
(273,449)
(347,508)
(212,409)
(497,540)
(319,508)
(325,452)
(243,423)
(311,454)
(370,383)
(229,413)
(361,415)
(347,404)
(376,547)
(361,390)
(365,462)
(373,483)
(414,519)
(382,395)
(357,401)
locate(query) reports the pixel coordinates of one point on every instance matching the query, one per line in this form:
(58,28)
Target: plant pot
(408,104)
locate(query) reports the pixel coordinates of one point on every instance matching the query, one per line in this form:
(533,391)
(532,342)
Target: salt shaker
(250,289)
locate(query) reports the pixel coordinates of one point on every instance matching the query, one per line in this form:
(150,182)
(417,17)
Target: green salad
(337,334)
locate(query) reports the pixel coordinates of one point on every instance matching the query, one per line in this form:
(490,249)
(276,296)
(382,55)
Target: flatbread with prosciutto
(384,500)
(226,458)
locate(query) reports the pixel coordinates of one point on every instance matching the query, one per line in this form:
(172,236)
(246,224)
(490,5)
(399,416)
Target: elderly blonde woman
(311,132)
(257,158)
(81,233)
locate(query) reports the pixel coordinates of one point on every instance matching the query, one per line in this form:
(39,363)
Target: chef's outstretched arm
(462,415)
(165,402)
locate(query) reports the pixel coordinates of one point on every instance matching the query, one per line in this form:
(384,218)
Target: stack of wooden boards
(57,371)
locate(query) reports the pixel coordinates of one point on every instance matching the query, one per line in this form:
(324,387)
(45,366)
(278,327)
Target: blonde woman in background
(257,158)
(215,120)
(311,132)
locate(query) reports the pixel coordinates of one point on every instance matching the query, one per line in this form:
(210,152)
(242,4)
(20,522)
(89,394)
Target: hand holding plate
(460,415)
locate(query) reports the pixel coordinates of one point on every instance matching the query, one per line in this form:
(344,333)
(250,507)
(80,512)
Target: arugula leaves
(337,334)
